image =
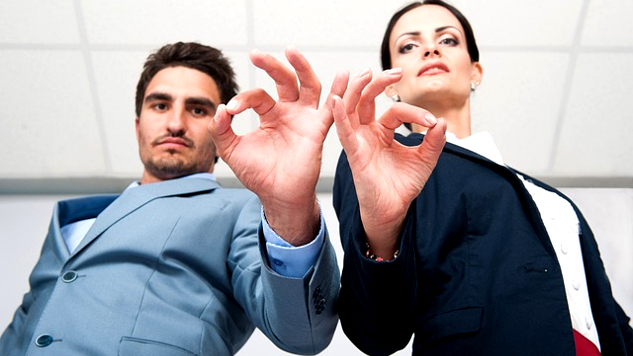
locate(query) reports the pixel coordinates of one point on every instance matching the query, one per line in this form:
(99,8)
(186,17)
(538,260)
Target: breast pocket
(452,323)
(140,347)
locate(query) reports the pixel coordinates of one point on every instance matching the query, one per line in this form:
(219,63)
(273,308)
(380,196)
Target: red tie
(584,347)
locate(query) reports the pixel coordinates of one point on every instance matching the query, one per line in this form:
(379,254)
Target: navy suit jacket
(477,273)
(170,268)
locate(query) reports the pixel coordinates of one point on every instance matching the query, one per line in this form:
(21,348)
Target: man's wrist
(297,226)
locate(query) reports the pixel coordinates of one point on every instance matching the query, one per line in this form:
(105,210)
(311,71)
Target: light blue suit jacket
(170,268)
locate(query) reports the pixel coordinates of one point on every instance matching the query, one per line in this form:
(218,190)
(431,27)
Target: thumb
(221,131)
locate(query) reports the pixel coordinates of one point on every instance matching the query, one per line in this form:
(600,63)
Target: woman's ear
(477,73)
(391,92)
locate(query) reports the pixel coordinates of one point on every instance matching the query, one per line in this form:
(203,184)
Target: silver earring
(473,86)
(395,97)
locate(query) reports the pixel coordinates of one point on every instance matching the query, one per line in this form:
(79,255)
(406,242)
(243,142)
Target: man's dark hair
(192,55)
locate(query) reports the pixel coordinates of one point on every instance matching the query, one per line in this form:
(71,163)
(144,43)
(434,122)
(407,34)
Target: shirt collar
(480,143)
(204,175)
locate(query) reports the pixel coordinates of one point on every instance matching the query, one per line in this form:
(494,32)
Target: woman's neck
(457,119)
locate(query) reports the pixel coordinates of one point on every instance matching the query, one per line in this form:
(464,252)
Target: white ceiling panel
(38,22)
(521,23)
(608,23)
(596,133)
(48,111)
(518,102)
(551,69)
(116,74)
(122,22)
(351,23)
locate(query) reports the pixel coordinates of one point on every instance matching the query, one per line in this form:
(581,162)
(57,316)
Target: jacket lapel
(72,210)
(136,197)
(532,212)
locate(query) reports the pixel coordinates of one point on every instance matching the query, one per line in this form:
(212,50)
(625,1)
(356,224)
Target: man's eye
(198,111)
(160,106)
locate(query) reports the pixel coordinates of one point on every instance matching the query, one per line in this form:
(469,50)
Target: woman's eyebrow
(412,33)
(417,33)
(440,29)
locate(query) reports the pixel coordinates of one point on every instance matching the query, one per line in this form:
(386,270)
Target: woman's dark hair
(192,55)
(471,44)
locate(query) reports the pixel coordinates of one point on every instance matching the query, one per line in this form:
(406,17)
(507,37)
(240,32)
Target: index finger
(310,86)
(366,105)
(285,79)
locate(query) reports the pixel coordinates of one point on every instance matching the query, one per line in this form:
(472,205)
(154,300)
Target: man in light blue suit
(178,265)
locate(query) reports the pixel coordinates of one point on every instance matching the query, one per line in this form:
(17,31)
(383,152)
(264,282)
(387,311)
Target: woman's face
(428,43)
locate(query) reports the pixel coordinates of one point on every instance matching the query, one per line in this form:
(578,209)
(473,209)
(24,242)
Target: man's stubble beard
(169,168)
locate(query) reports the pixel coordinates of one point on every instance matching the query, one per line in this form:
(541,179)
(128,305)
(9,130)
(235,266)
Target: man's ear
(136,123)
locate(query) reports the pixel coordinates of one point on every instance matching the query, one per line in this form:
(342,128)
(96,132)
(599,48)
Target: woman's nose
(431,52)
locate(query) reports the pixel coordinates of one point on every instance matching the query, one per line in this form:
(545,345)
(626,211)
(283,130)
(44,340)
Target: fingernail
(216,116)
(363,73)
(430,119)
(232,104)
(394,71)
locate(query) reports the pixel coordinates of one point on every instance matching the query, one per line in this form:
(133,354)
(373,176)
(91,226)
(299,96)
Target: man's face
(172,130)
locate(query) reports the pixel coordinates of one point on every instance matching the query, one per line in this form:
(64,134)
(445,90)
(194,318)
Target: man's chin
(165,171)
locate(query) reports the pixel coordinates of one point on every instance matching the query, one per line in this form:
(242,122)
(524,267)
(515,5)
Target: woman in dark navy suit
(466,254)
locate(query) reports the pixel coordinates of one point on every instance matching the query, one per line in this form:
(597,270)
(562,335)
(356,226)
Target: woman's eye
(449,41)
(407,48)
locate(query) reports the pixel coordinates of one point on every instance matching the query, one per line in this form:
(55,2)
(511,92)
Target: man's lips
(173,142)
(433,68)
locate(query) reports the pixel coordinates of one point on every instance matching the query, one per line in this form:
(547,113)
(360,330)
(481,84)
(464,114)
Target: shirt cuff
(288,260)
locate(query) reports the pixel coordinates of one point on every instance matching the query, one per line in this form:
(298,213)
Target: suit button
(278,262)
(564,249)
(43,340)
(319,307)
(69,276)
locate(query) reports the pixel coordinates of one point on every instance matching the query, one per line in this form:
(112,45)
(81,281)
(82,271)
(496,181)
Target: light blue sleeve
(288,260)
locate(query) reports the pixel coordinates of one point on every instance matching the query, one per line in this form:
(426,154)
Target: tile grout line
(92,83)
(567,86)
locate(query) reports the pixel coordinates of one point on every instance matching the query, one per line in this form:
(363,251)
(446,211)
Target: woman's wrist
(384,257)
